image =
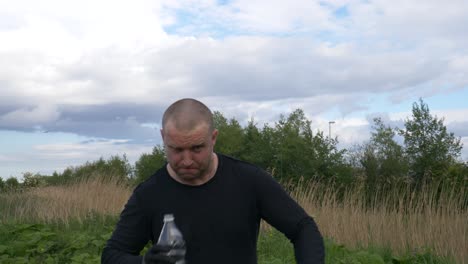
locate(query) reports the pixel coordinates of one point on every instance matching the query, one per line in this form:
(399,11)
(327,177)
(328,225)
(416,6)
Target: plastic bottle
(172,237)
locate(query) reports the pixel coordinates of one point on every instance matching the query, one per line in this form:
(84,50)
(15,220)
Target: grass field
(70,224)
(417,225)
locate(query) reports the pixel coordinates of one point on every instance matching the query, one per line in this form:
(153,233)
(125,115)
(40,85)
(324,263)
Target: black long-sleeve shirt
(219,220)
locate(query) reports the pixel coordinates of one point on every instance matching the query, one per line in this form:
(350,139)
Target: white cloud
(451,115)
(92,24)
(281,16)
(89,151)
(102,69)
(125,56)
(464,154)
(33,117)
(7,158)
(105,40)
(47,158)
(409,19)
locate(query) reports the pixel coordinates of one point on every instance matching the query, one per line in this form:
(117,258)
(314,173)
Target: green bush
(83,243)
(148,164)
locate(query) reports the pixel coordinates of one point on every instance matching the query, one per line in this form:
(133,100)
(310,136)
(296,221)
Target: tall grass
(62,204)
(403,221)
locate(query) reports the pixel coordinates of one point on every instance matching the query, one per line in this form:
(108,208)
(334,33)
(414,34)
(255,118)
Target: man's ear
(214,136)
(162,133)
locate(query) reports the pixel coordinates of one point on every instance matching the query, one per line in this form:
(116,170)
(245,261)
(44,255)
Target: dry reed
(411,226)
(61,204)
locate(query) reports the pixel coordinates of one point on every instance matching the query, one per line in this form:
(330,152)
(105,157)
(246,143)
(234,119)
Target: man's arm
(282,212)
(308,243)
(131,234)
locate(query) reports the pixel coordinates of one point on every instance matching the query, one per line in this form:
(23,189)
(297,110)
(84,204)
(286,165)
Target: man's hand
(158,254)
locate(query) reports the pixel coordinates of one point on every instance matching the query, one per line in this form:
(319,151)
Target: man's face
(189,153)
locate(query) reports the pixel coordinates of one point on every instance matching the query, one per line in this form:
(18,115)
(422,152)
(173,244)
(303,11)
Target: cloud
(456,120)
(108,71)
(272,68)
(244,70)
(409,20)
(280,16)
(24,118)
(460,129)
(47,158)
(79,151)
(464,153)
(113,121)
(207,17)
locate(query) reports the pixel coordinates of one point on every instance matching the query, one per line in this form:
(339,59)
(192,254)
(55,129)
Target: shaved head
(189,139)
(186,114)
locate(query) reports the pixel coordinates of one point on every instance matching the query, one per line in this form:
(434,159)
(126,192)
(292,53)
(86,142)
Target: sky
(80,80)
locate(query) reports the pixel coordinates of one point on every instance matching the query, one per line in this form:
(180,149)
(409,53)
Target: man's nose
(187,158)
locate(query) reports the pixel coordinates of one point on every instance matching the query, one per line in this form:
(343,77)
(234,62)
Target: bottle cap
(168,217)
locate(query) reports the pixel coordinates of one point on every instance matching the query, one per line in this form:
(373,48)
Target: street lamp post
(329,128)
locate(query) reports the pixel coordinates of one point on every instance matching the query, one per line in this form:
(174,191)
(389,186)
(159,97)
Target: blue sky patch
(223,2)
(341,12)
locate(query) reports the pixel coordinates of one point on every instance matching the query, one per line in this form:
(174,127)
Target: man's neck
(199,180)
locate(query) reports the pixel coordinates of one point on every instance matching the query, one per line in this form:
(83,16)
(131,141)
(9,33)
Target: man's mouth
(189,169)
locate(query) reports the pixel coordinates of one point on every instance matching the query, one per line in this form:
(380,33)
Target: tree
(2,184)
(299,153)
(115,168)
(457,175)
(230,135)
(148,164)
(58,179)
(118,167)
(257,145)
(384,162)
(31,180)
(11,184)
(383,158)
(430,148)
(291,137)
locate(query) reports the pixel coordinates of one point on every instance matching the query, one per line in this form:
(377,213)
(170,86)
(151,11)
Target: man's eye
(197,148)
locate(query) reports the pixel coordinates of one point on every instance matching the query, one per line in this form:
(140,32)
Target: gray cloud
(65,69)
(9,21)
(460,129)
(109,89)
(116,121)
(111,93)
(141,113)
(274,68)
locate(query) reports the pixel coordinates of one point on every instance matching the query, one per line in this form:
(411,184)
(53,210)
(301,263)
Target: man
(217,202)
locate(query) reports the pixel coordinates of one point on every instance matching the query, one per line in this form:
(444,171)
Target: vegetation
(66,203)
(291,151)
(39,243)
(274,248)
(430,149)
(149,163)
(385,201)
(419,227)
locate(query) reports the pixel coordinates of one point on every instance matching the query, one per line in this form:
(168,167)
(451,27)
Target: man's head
(189,138)
(188,113)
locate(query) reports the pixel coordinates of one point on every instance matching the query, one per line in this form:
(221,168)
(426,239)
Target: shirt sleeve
(130,236)
(282,212)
